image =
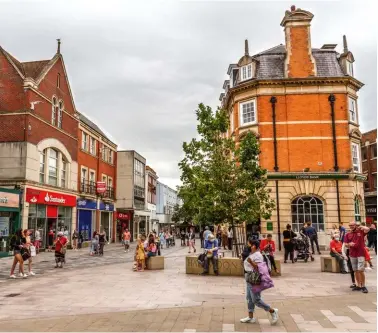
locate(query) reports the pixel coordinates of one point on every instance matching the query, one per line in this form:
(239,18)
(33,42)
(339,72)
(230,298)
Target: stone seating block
(329,264)
(278,265)
(154,263)
(226,266)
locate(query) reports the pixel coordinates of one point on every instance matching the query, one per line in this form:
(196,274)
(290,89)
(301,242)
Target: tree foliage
(222,182)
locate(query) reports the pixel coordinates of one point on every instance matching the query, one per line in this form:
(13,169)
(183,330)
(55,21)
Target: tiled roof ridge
(373,130)
(28,62)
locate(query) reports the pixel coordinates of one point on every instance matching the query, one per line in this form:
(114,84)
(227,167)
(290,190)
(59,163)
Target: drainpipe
(273,101)
(332,100)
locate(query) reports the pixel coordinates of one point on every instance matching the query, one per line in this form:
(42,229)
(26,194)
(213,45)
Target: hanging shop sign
(86,204)
(123,216)
(101,187)
(49,198)
(9,200)
(106,206)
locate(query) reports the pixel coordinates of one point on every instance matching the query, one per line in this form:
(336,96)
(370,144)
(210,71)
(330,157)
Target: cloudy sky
(140,68)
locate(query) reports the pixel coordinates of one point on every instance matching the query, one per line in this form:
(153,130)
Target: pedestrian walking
(230,236)
(126,239)
(27,255)
(372,237)
(257,279)
(162,239)
(17,243)
(50,240)
(75,236)
(288,243)
(60,249)
(313,235)
(94,244)
(37,240)
(191,238)
(102,240)
(81,239)
(355,241)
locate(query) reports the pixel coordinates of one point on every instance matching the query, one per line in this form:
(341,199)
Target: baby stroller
(302,248)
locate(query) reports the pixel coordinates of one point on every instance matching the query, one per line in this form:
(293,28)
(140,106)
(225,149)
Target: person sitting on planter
(211,250)
(268,246)
(336,252)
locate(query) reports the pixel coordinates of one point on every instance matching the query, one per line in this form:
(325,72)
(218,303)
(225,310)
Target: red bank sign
(101,187)
(49,198)
(123,216)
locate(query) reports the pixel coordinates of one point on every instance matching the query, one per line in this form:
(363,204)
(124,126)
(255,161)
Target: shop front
(371,209)
(49,211)
(9,217)
(106,219)
(123,222)
(86,217)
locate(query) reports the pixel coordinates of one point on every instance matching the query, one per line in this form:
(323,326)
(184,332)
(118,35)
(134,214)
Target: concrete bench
(154,263)
(329,264)
(226,266)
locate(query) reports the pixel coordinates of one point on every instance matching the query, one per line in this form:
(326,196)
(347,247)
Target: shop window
(357,209)
(373,151)
(42,161)
(53,167)
(307,209)
(64,221)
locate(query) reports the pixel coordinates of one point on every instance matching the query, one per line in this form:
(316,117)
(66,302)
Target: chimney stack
(299,62)
(246,48)
(58,50)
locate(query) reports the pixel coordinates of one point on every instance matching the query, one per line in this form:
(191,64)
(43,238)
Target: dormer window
(246,72)
(349,67)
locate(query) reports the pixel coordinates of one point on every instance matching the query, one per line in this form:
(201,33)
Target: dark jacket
(311,232)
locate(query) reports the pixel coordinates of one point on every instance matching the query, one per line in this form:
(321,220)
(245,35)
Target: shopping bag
(33,252)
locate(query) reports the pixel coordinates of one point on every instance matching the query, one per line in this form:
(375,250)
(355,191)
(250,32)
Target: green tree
(220,182)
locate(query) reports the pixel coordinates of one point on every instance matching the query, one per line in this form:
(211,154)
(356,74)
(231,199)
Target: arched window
(60,113)
(54,110)
(53,168)
(357,209)
(307,209)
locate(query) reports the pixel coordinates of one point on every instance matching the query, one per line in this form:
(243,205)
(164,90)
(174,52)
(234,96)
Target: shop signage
(269,226)
(101,187)
(307,176)
(49,198)
(371,210)
(107,207)
(10,200)
(86,204)
(122,216)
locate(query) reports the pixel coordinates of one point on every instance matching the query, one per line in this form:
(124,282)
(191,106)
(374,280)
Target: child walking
(140,254)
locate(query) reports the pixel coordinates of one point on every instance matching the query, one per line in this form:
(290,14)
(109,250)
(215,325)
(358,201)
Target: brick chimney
(299,62)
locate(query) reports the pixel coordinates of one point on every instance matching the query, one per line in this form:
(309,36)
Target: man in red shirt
(336,252)
(355,242)
(269,247)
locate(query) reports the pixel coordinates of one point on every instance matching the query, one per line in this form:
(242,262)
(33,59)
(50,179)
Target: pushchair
(302,248)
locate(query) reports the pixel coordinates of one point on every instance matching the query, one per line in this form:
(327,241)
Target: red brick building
(39,142)
(97,158)
(301,103)
(369,168)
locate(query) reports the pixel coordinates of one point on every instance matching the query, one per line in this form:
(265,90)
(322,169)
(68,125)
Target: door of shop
(85,223)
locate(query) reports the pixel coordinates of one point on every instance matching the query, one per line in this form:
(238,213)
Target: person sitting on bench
(336,252)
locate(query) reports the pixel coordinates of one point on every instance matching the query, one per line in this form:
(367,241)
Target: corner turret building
(302,105)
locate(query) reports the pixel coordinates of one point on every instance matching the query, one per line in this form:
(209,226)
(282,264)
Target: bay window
(53,168)
(352,110)
(248,114)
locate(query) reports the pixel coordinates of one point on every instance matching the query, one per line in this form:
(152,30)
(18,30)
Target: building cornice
(292,82)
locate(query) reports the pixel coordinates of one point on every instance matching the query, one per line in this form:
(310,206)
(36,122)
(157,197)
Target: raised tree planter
(154,263)
(329,264)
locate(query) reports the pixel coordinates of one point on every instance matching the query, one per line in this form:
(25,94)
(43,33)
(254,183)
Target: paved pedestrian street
(104,294)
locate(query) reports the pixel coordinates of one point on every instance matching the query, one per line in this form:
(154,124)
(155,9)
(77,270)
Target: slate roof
(92,125)
(29,69)
(270,63)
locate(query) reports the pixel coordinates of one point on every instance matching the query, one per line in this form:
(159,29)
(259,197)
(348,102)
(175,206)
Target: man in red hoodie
(269,247)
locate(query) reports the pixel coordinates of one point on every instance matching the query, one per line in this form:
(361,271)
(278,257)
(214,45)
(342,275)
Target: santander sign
(50,198)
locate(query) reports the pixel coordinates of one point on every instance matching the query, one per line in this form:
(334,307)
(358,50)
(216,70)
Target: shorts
(126,242)
(358,263)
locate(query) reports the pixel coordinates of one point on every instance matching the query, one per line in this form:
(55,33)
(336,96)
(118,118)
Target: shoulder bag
(253,277)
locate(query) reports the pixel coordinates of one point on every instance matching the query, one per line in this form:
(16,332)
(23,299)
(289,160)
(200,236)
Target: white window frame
(85,174)
(352,101)
(43,165)
(241,118)
(84,141)
(110,157)
(104,179)
(63,179)
(92,172)
(53,111)
(110,182)
(349,68)
(246,72)
(60,113)
(92,145)
(355,152)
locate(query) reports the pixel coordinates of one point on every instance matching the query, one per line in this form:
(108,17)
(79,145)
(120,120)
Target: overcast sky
(140,68)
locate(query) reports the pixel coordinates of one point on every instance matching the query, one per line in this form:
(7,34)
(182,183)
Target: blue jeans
(254,299)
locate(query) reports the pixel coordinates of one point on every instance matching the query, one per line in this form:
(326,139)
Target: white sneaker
(274,316)
(25,276)
(12,276)
(21,275)
(248,320)
(31,273)
(125,251)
